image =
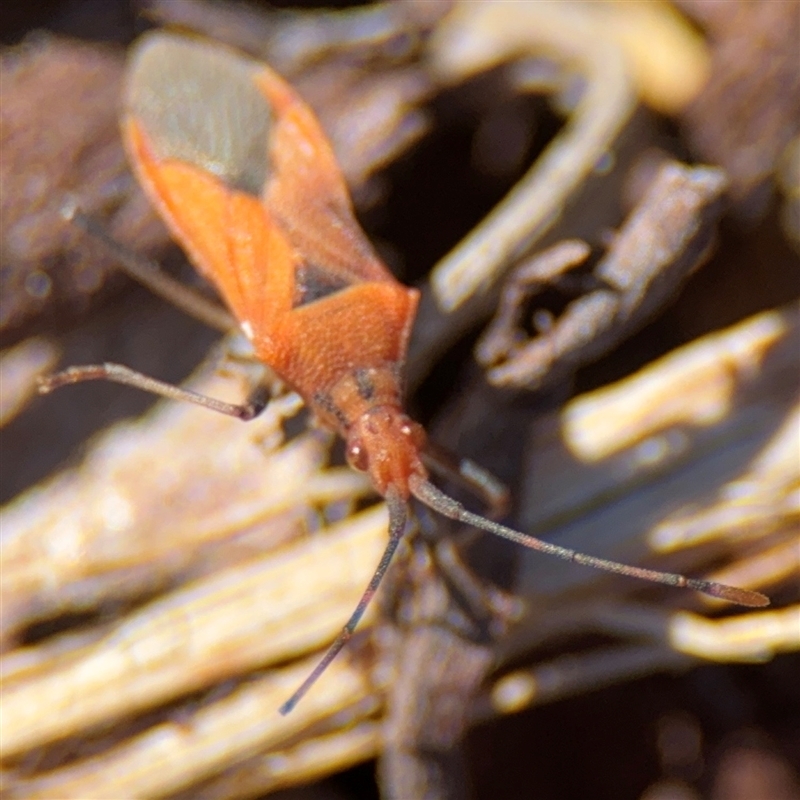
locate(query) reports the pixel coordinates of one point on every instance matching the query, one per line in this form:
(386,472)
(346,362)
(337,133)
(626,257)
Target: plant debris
(169,583)
(656,250)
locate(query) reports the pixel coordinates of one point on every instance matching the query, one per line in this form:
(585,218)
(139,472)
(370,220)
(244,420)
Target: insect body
(241,172)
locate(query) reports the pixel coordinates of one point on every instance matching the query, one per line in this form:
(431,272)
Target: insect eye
(357,456)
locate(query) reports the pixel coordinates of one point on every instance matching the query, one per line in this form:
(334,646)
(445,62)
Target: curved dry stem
(478,36)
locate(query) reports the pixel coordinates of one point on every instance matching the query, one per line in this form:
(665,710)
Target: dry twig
(480,35)
(657,249)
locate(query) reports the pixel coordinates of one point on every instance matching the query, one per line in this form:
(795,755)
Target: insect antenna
(398,514)
(427,493)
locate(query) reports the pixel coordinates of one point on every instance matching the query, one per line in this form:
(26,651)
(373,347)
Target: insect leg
(474,477)
(148,274)
(118,373)
(484,601)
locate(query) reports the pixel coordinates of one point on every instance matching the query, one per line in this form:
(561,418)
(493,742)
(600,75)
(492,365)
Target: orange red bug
(239,169)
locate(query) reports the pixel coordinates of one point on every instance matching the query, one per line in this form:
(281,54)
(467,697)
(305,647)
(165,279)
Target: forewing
(308,194)
(198,104)
(232,158)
